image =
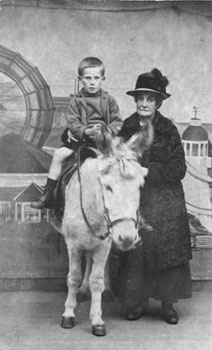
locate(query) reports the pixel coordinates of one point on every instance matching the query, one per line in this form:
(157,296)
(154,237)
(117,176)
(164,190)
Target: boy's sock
(50,184)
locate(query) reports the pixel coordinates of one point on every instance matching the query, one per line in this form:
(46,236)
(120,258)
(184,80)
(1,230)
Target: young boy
(87,110)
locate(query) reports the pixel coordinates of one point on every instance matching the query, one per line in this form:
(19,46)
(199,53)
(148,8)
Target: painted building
(197,181)
(21,166)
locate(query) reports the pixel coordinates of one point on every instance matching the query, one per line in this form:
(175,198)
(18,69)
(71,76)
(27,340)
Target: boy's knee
(60,154)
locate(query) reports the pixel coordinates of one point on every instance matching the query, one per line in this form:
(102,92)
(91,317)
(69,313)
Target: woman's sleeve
(172,169)
(73,118)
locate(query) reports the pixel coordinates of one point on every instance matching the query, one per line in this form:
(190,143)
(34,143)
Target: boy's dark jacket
(77,114)
(162,198)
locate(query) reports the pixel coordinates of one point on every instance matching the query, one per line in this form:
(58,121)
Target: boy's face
(91,79)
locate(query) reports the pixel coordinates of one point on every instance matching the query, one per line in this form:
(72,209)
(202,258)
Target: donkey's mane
(127,167)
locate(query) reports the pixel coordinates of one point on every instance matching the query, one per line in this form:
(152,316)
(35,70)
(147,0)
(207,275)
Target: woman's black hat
(152,81)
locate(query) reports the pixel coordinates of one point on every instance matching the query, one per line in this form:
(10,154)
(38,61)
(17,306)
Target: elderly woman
(159,268)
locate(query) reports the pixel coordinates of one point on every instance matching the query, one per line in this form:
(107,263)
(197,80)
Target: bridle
(110,223)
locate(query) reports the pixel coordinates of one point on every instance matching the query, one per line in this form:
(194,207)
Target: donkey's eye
(109,188)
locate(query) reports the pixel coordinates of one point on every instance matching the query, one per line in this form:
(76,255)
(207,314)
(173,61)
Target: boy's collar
(86,94)
(103,95)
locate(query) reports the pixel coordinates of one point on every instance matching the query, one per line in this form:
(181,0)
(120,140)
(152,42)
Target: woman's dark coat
(162,198)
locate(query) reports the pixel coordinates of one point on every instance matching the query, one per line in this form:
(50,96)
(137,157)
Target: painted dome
(195,132)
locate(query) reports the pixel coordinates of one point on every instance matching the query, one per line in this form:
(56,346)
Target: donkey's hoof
(67,322)
(99,330)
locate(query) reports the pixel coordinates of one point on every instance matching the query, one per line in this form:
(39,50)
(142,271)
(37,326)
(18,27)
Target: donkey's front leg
(97,286)
(73,281)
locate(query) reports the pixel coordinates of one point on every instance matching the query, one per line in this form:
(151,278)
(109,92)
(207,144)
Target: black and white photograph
(105,175)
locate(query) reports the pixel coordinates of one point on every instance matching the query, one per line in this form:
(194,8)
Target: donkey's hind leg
(84,287)
(96,281)
(73,281)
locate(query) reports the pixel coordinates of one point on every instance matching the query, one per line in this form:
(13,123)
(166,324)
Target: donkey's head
(121,178)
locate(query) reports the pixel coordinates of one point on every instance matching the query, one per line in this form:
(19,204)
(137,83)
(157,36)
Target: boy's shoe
(45,201)
(170,315)
(138,312)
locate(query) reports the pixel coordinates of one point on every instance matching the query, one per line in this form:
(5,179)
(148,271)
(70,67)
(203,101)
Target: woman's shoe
(170,315)
(137,313)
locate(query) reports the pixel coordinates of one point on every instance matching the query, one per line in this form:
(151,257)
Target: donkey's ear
(104,140)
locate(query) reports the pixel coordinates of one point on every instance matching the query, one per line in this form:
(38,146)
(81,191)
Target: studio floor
(31,321)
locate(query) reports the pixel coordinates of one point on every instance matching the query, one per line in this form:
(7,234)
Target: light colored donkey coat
(101,207)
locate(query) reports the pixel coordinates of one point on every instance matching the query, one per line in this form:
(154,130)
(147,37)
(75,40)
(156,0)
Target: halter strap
(110,223)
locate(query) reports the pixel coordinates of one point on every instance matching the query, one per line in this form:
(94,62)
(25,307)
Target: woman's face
(146,104)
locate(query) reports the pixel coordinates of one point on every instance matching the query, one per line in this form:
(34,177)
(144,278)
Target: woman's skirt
(133,285)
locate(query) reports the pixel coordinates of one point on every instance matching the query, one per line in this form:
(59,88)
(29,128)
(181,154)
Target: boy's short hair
(89,62)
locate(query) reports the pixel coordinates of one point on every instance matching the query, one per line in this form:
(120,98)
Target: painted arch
(37,97)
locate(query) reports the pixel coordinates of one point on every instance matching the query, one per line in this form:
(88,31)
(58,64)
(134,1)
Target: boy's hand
(69,135)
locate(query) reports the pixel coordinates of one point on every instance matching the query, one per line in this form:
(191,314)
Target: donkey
(101,206)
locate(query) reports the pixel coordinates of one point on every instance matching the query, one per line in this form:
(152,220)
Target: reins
(80,183)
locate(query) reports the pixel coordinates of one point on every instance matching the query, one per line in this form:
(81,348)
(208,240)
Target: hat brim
(137,91)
